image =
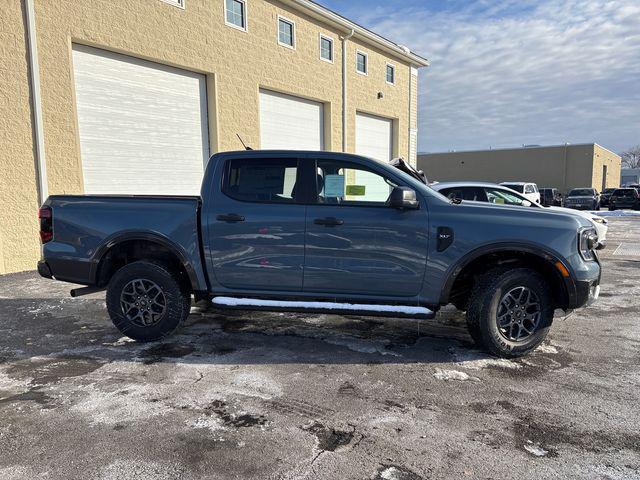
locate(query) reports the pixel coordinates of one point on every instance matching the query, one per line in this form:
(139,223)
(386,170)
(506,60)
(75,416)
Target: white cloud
(523,72)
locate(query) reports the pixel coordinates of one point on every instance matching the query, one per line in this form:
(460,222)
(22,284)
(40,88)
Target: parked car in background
(550,197)
(529,190)
(501,195)
(322,232)
(605,195)
(624,198)
(583,199)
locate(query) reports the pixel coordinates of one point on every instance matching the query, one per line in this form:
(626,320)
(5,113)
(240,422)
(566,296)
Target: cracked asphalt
(245,395)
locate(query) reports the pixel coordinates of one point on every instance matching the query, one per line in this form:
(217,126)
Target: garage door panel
(374,137)
(290,123)
(143,126)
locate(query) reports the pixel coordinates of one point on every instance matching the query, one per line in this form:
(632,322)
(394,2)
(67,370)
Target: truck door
(255,225)
(355,242)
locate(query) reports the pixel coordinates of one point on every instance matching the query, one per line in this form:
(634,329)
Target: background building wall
(562,167)
(18,194)
(237,65)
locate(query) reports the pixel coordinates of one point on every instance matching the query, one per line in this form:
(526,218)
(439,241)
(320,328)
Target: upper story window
(326,48)
(235,13)
(286,32)
(362,62)
(177,3)
(391,74)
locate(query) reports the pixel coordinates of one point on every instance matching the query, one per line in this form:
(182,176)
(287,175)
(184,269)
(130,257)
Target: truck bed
(86,226)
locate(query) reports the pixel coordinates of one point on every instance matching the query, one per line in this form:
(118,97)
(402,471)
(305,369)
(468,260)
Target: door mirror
(527,203)
(403,198)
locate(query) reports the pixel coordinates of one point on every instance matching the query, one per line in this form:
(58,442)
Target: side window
(261,180)
(528,189)
(346,183)
(464,193)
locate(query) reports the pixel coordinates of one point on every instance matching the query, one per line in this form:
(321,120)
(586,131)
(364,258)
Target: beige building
(561,166)
(115,96)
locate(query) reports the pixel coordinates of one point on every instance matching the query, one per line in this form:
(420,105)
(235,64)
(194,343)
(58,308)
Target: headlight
(587,242)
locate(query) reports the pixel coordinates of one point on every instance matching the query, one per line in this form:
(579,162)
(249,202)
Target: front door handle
(329,221)
(230,217)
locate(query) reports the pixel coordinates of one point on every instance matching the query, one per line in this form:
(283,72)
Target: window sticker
(356,190)
(334,186)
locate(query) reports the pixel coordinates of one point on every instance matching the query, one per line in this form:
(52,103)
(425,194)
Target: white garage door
(143,126)
(373,137)
(290,123)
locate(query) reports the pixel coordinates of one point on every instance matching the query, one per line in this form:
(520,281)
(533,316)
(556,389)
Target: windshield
(502,197)
(515,186)
(608,190)
(624,193)
(581,192)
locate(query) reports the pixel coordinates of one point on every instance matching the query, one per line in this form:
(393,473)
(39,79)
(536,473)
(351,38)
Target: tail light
(46,224)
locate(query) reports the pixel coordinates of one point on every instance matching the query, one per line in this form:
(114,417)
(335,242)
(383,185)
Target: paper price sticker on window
(356,190)
(334,186)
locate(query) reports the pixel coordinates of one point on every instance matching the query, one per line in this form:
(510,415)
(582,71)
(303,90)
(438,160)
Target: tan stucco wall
(19,246)
(612,161)
(556,166)
(237,65)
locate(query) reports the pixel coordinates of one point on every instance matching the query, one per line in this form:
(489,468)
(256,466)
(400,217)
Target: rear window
(261,180)
(624,192)
(581,192)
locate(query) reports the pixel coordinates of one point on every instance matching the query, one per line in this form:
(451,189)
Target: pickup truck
(321,232)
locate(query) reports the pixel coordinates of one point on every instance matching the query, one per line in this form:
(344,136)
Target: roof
(441,185)
(532,147)
(316,10)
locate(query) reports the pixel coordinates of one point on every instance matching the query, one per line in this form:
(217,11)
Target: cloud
(506,73)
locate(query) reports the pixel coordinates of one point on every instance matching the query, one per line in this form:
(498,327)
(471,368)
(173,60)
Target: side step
(403,311)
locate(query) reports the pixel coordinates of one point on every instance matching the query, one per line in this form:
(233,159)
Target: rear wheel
(510,311)
(146,301)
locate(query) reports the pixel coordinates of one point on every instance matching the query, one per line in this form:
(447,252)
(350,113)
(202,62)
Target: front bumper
(586,293)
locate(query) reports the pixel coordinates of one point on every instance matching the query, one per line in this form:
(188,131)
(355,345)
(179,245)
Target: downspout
(34,74)
(344,88)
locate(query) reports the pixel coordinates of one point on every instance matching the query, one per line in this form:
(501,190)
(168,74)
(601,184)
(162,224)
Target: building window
(235,14)
(286,32)
(176,3)
(326,48)
(361,63)
(391,74)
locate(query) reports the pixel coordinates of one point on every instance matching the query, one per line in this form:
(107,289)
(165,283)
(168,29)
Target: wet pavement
(291,396)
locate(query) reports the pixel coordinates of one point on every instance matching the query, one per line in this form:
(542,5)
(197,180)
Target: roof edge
(332,17)
(520,148)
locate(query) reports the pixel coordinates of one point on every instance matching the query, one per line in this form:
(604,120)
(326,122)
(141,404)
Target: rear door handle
(329,221)
(230,217)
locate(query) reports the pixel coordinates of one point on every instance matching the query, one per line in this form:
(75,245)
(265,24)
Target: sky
(517,72)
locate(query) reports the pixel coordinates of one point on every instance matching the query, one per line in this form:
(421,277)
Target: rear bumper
(44,270)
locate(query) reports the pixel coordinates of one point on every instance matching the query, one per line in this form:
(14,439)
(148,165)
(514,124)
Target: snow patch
(206,423)
(254,302)
(547,349)
(474,360)
(535,449)
(446,375)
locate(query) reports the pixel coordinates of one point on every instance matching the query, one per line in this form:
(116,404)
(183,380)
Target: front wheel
(146,301)
(510,311)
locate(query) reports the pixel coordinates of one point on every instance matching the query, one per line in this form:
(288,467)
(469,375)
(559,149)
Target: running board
(404,311)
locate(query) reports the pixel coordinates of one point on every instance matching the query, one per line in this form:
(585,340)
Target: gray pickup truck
(321,232)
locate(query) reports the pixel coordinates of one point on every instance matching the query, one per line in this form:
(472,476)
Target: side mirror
(403,198)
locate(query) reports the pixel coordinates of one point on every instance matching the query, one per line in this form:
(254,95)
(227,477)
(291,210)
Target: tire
(612,208)
(486,303)
(157,320)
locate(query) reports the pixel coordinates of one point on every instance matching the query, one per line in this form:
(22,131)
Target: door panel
(357,245)
(256,228)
